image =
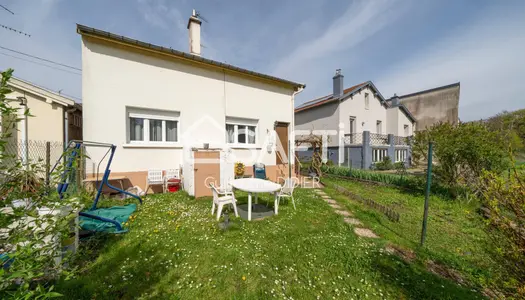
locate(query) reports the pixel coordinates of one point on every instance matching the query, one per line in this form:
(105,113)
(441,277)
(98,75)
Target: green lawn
(455,233)
(175,250)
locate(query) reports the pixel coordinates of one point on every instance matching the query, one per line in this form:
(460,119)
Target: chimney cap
(193,18)
(337,71)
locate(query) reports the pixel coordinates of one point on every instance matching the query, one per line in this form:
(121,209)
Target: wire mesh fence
(45,153)
(378,139)
(353,139)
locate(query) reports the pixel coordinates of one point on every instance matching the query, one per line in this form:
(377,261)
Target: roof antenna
(199,16)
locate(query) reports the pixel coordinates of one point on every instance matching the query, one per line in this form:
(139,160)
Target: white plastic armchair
(287,190)
(220,198)
(154,178)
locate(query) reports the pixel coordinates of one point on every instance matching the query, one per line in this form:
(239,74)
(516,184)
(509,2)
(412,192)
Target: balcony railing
(353,139)
(401,140)
(378,139)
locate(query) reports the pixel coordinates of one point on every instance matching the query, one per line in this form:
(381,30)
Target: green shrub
(385,164)
(462,152)
(503,196)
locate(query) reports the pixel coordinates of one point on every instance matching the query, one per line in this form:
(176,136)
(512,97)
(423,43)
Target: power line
(40,58)
(6,9)
(17,31)
(41,64)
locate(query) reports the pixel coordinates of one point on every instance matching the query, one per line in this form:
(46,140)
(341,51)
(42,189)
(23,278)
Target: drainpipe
(291,153)
(65,126)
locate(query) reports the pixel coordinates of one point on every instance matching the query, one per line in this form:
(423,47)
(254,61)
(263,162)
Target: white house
(166,109)
(347,113)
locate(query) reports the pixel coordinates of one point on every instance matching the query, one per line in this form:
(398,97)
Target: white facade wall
(396,121)
(402,121)
(324,117)
(47,122)
(392,118)
(365,118)
(114,78)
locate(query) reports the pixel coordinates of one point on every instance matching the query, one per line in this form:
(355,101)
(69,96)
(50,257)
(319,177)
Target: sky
(403,46)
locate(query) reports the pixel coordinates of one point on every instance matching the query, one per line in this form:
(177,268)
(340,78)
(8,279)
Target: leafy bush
(504,198)
(462,152)
(400,168)
(385,164)
(34,221)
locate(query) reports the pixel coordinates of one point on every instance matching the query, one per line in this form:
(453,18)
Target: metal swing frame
(75,145)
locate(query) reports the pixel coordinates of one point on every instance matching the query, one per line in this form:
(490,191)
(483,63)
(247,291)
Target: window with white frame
(151,126)
(406,130)
(379,127)
(241,131)
(367,101)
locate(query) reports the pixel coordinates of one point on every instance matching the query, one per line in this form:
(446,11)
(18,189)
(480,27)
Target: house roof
(97,33)
(346,93)
(430,90)
(407,112)
(49,95)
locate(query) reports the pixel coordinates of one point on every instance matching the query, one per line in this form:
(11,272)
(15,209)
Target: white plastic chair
(287,190)
(154,178)
(220,201)
(170,174)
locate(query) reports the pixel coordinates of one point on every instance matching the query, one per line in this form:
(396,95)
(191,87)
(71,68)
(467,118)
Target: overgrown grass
(174,250)
(411,182)
(455,233)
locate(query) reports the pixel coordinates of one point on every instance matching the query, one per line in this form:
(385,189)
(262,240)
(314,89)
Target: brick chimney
(194,30)
(338,84)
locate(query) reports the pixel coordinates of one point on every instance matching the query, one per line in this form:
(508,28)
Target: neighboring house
(49,112)
(166,109)
(352,114)
(432,106)
(41,135)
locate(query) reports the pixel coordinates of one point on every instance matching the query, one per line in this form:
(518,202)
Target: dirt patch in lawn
(404,254)
(445,272)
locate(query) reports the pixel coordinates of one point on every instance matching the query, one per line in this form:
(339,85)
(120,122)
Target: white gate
(227,165)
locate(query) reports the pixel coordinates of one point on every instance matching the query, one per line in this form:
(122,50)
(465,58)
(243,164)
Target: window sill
(241,146)
(153,145)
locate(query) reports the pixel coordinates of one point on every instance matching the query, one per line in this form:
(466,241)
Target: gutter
(125,41)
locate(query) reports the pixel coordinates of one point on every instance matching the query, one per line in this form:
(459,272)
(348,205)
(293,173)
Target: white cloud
(334,46)
(486,57)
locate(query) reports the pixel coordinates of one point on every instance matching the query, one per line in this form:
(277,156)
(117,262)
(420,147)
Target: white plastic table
(255,186)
